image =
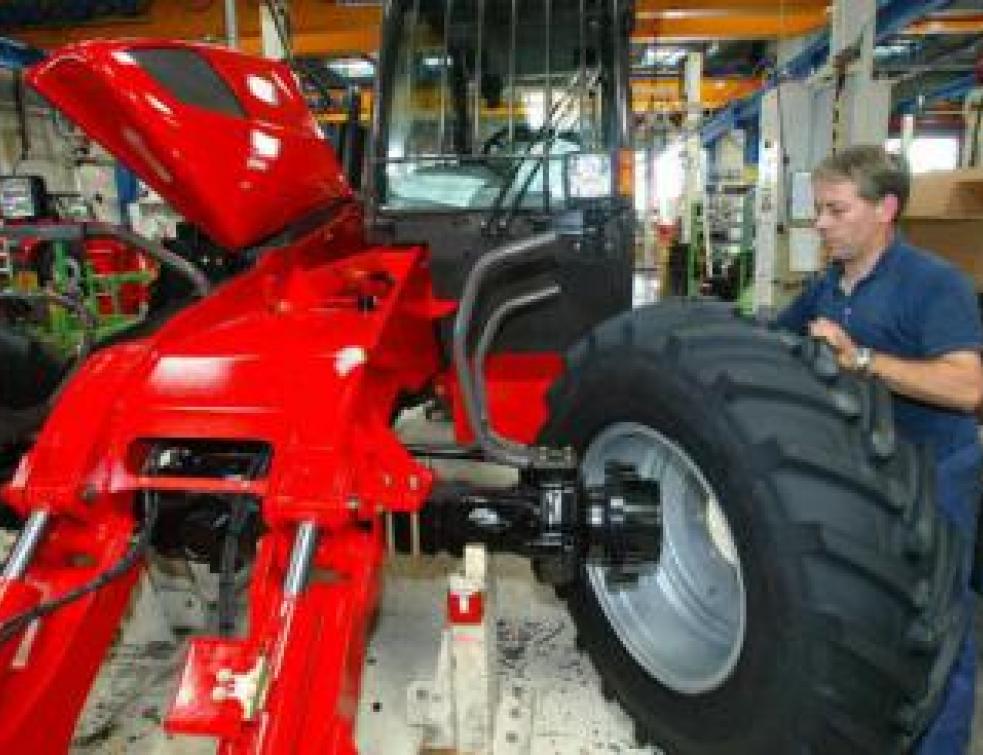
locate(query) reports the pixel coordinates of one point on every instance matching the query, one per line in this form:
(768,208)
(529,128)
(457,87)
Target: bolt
(515,713)
(387,481)
(353,504)
(414,482)
(511,737)
(421,694)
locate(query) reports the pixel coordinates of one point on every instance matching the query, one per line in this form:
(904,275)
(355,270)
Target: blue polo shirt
(913,305)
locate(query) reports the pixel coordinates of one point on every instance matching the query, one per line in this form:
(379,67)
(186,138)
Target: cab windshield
(486,98)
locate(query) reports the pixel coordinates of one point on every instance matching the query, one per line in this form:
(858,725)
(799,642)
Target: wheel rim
(684,620)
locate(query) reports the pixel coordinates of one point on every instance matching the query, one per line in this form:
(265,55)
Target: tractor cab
(499,119)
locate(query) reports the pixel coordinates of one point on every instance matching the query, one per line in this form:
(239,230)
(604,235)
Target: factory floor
(534,638)
(535,643)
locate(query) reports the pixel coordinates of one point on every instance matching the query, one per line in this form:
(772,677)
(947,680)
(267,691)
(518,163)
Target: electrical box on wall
(22,197)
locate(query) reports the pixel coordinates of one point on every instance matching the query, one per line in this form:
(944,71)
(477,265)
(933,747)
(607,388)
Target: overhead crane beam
(652,95)
(328,28)
(320,28)
(323,28)
(692,25)
(947,23)
(649,8)
(678,20)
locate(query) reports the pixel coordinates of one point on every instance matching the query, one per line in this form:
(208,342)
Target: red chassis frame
(288,354)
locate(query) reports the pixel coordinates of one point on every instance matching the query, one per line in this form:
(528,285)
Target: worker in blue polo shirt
(903,315)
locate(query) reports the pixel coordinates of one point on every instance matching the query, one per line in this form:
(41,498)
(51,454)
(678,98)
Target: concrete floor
(534,635)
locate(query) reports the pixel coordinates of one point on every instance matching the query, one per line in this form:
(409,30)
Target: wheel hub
(683,621)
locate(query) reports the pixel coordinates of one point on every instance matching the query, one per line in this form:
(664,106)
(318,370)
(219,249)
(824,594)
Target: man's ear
(888,208)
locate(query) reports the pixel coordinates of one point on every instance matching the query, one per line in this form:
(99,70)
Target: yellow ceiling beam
(666,95)
(947,23)
(322,28)
(646,9)
(670,27)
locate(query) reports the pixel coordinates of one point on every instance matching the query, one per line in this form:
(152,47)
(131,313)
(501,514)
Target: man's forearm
(939,381)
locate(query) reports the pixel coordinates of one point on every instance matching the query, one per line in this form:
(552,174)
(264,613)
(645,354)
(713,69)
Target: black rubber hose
(11,627)
(17,623)
(156,250)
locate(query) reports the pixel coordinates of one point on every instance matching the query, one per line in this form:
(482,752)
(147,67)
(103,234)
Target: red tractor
(752,559)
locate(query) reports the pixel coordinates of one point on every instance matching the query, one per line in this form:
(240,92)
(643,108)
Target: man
(902,315)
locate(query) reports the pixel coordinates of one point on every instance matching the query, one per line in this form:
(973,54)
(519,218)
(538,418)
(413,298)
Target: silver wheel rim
(683,621)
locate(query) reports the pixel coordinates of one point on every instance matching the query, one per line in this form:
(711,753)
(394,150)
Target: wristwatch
(863,360)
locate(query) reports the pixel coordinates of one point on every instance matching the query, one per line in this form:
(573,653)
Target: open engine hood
(225,138)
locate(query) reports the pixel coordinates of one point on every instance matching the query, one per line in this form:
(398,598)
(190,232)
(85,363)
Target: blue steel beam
(14,54)
(732,116)
(952,90)
(892,17)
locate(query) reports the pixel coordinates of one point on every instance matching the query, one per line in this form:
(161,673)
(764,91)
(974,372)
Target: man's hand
(953,380)
(835,336)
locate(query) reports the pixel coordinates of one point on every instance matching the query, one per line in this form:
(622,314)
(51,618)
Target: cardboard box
(945,216)
(947,194)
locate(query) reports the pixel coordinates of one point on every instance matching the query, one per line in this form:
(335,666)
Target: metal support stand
(461,708)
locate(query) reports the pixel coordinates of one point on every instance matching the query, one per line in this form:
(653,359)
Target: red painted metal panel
(308,352)
(240,179)
(42,694)
(516,386)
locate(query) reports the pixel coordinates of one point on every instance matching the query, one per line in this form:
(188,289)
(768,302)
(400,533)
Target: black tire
(851,612)
(28,371)
(28,376)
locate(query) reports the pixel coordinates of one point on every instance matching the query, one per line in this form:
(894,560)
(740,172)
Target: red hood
(225,138)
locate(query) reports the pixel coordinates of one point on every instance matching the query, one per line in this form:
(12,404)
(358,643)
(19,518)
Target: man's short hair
(875,172)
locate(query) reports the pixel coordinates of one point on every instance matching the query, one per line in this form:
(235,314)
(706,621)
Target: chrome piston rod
(301,559)
(26,545)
